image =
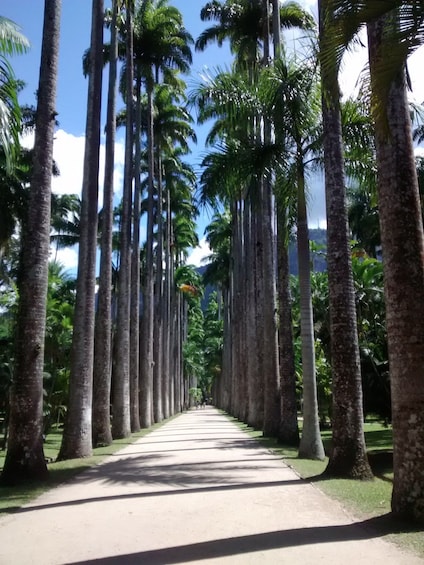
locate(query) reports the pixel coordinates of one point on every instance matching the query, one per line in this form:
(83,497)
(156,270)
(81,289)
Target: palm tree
(348,453)
(173,130)
(65,221)
(243,23)
(77,439)
(25,458)
(217,273)
(403,252)
(396,28)
(121,422)
(161,44)
(103,330)
(14,190)
(246,25)
(11,42)
(179,181)
(295,96)
(289,429)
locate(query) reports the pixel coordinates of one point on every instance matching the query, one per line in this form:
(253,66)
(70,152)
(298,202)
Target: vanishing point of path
(197,490)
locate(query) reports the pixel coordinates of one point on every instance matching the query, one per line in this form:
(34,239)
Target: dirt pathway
(197,490)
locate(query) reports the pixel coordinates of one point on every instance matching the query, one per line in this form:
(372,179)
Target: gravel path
(196,490)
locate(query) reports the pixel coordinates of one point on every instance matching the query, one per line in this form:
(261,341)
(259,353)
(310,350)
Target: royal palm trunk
(403,263)
(146,381)
(102,434)
(121,425)
(289,429)
(25,458)
(77,438)
(348,456)
(271,365)
(135,273)
(310,444)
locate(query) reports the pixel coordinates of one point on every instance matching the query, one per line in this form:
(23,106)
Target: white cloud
(310,5)
(199,254)
(68,153)
(67,257)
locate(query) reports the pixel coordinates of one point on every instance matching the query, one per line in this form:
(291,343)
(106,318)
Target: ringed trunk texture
(146,381)
(271,367)
(101,429)
(348,456)
(135,274)
(255,386)
(77,439)
(121,424)
(289,429)
(403,263)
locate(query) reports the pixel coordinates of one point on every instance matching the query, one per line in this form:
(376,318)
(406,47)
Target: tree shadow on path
(368,529)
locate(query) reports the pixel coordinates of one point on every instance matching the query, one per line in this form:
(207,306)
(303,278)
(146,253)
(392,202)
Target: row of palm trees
(150,46)
(257,141)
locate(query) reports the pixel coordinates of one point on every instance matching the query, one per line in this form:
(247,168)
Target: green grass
(366,500)
(12,498)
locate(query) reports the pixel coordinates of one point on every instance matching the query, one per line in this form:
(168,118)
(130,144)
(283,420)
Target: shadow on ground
(368,529)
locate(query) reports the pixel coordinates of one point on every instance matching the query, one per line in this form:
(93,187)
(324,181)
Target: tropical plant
(12,41)
(58,341)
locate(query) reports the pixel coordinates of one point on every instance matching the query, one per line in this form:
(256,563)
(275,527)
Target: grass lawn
(366,500)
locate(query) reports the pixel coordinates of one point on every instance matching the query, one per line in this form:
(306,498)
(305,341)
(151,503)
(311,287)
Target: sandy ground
(197,490)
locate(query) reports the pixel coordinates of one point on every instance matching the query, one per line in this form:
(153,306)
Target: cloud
(67,257)
(199,253)
(68,153)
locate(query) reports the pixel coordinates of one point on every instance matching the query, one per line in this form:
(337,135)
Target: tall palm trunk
(226,354)
(25,458)
(158,375)
(271,365)
(289,429)
(348,456)
(238,389)
(135,273)
(102,434)
(259,299)
(77,439)
(166,310)
(121,424)
(254,384)
(403,253)
(310,444)
(172,332)
(146,384)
